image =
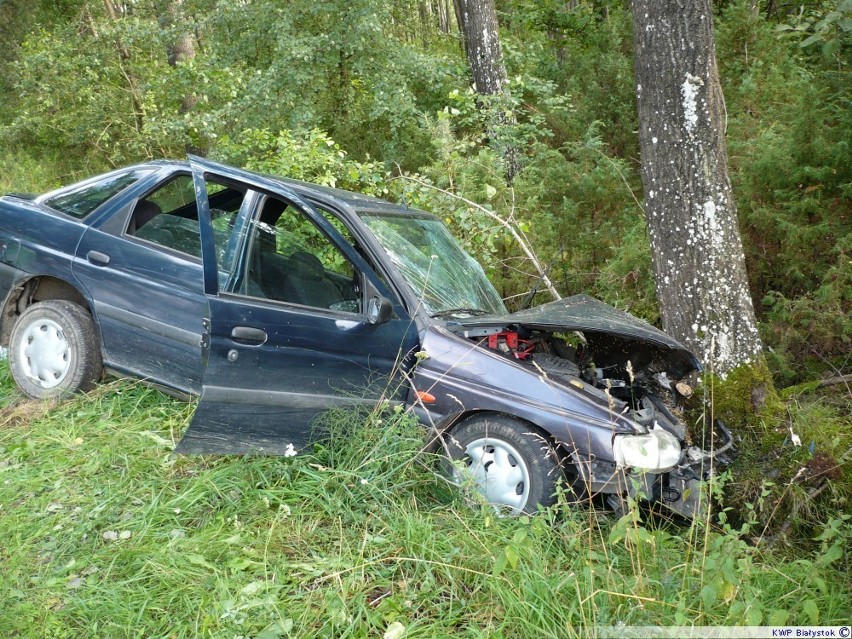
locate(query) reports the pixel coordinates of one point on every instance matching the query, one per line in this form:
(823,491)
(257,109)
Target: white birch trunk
(699,264)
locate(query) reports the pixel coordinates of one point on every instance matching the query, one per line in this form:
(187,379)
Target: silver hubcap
(498,472)
(45,353)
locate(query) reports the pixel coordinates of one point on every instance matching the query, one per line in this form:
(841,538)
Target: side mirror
(379,310)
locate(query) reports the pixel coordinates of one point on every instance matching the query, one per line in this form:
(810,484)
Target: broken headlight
(657,452)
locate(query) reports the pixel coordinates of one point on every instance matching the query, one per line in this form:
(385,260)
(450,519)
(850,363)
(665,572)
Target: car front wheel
(54,350)
(510,463)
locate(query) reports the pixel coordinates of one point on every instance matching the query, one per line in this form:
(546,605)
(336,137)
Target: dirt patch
(23,412)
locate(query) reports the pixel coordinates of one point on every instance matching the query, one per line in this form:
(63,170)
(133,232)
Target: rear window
(81,200)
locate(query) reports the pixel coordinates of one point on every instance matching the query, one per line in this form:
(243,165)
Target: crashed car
(276,301)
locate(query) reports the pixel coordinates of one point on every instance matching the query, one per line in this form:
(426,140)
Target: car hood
(590,316)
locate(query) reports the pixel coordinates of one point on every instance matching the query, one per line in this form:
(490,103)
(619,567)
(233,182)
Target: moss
(746,398)
(785,453)
(791,392)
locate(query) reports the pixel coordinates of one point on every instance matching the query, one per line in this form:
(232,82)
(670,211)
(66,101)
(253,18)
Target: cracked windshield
(449,282)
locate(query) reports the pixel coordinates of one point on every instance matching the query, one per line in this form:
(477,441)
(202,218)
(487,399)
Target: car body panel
(273,367)
(150,307)
(465,377)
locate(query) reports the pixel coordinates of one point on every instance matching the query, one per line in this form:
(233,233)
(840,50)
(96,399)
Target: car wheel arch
(562,451)
(452,421)
(38,288)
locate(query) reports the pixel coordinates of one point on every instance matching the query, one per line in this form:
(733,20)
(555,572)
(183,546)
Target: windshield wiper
(460,311)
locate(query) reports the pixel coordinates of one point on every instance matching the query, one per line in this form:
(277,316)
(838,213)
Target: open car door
(298,322)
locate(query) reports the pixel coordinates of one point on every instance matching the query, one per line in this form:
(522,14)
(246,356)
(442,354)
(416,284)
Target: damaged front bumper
(678,489)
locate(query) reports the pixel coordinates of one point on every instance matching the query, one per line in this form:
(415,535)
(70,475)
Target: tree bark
(481,34)
(699,264)
(180,50)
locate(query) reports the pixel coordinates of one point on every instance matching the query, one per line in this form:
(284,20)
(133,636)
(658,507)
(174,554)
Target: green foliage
(794,477)
(350,93)
(790,137)
(824,26)
(312,156)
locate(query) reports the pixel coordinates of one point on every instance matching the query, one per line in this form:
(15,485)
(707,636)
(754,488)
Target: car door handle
(248,335)
(98,258)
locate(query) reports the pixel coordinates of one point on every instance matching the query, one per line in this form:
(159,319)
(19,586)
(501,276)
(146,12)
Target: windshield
(448,281)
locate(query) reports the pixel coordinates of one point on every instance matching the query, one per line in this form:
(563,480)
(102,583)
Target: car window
(169,216)
(344,231)
(81,200)
(290,260)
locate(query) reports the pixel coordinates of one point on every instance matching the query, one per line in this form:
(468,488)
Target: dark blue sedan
(276,300)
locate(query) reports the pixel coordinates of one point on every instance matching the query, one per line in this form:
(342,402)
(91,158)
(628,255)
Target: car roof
(348,199)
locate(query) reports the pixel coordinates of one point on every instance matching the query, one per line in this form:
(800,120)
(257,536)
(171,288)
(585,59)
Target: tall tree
(699,265)
(480,30)
(180,49)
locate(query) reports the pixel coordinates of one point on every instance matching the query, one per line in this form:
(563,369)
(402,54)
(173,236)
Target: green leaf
(276,629)
(778,617)
(198,560)
(754,615)
(709,595)
(736,609)
(499,564)
(811,610)
(512,556)
(239,563)
(834,553)
(830,48)
(490,191)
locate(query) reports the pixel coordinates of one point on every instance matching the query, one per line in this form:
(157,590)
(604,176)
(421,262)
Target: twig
(836,381)
(516,234)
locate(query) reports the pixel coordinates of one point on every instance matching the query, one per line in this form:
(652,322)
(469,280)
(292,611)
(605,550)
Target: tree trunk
(699,264)
(478,24)
(180,50)
(127,71)
(481,32)
(443,12)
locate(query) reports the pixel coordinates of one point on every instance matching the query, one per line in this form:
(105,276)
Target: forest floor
(106,533)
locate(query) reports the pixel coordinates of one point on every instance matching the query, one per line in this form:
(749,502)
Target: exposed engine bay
(635,379)
(638,384)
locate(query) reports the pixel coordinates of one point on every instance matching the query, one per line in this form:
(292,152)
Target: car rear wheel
(509,462)
(54,350)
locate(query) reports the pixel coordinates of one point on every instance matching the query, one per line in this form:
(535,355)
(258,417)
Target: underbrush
(106,533)
(791,478)
(23,171)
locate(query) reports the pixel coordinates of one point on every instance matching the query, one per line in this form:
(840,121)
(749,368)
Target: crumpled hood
(590,316)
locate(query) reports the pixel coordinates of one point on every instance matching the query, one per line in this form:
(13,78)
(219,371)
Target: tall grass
(104,532)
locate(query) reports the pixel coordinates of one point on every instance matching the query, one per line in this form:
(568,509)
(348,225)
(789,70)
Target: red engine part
(509,342)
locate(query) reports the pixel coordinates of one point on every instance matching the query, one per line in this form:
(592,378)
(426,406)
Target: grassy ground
(105,533)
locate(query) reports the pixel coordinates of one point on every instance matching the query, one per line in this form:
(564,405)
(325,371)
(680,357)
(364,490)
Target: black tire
(510,463)
(54,350)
